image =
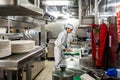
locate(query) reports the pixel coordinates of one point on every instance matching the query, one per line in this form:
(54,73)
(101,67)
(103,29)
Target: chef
(61,44)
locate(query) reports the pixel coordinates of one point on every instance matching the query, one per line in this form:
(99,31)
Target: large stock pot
(62,74)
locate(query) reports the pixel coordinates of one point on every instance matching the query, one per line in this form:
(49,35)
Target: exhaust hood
(19,7)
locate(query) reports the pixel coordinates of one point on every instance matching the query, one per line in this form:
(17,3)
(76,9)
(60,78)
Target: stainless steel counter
(16,61)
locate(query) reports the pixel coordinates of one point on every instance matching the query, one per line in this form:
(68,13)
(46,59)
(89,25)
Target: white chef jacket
(60,44)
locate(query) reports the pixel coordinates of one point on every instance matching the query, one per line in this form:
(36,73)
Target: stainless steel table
(17,61)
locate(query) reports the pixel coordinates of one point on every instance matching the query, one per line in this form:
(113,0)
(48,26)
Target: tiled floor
(46,73)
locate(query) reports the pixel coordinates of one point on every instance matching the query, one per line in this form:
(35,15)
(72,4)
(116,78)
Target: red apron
(112,45)
(93,43)
(102,41)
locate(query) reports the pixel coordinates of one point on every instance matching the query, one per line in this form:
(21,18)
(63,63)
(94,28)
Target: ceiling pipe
(96,11)
(99,2)
(90,8)
(9,21)
(80,11)
(37,3)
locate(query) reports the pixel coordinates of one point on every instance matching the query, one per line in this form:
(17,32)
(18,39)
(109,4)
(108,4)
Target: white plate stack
(22,46)
(5,48)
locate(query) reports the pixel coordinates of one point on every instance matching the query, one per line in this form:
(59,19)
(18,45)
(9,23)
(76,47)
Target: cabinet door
(51,50)
(37,65)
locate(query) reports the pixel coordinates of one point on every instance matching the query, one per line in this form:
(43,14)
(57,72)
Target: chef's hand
(67,50)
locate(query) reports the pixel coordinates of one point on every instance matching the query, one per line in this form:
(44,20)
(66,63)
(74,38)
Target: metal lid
(63,72)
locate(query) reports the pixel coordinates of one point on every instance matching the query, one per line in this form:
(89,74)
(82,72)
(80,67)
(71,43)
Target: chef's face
(69,30)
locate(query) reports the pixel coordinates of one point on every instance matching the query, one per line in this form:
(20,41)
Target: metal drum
(62,74)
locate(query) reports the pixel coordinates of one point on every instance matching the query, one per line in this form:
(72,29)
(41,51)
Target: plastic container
(76,78)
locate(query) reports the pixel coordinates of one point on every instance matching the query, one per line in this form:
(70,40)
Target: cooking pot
(63,73)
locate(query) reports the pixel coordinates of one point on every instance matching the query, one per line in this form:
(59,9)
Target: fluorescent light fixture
(67,15)
(107,14)
(57,2)
(113,4)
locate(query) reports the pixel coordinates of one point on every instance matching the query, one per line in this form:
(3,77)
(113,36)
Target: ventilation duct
(18,7)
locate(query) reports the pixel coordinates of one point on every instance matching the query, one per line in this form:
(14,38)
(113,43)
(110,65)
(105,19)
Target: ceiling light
(57,2)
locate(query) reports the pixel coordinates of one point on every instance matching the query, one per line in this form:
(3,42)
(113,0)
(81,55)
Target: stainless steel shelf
(84,26)
(17,24)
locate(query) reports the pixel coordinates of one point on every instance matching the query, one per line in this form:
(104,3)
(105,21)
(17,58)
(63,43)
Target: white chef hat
(68,25)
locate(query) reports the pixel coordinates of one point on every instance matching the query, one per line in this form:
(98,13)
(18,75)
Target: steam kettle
(62,73)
